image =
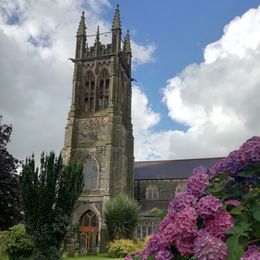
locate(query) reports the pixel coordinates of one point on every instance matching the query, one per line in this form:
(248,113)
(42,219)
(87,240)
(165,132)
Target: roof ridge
(174,160)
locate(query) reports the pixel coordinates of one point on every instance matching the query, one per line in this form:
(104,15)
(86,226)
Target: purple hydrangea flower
(252,253)
(197,183)
(202,170)
(208,206)
(167,219)
(182,200)
(232,202)
(218,224)
(183,226)
(209,247)
(153,244)
(164,254)
(129,257)
(185,223)
(185,246)
(248,153)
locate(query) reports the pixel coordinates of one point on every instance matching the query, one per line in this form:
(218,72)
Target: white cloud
(217,99)
(143,53)
(143,121)
(36,40)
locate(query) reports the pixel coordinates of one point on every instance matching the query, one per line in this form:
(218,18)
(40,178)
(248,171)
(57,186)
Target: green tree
(121,217)
(49,195)
(10,206)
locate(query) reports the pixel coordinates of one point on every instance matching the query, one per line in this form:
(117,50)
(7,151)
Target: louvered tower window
(103,92)
(89,93)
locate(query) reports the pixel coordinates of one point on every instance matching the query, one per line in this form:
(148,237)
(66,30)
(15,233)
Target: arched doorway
(89,230)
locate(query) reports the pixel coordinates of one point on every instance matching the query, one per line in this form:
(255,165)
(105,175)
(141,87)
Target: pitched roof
(172,169)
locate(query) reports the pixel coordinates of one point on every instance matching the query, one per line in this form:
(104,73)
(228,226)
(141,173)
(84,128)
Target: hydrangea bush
(216,216)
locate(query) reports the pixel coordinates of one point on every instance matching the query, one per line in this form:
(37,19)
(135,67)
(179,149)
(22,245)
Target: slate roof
(172,169)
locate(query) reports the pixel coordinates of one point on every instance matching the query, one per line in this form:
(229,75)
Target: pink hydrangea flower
(183,226)
(209,247)
(164,254)
(185,223)
(232,202)
(185,246)
(168,235)
(218,224)
(197,183)
(208,206)
(252,253)
(182,200)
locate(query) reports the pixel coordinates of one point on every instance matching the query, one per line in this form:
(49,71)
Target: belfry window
(152,192)
(89,94)
(103,92)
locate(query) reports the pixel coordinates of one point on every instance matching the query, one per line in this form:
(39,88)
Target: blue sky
(197,83)
(180,31)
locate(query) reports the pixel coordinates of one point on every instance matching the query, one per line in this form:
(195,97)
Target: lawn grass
(92,257)
(89,257)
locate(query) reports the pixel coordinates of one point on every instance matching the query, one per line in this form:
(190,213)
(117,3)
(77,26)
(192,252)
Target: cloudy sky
(197,66)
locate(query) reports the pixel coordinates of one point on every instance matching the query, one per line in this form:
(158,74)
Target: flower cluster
(164,254)
(218,224)
(197,220)
(208,247)
(198,182)
(232,202)
(252,253)
(208,206)
(181,201)
(247,154)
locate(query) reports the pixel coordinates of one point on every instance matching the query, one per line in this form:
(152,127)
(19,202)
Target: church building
(99,131)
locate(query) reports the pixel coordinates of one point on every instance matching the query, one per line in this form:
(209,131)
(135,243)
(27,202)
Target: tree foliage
(17,244)
(121,217)
(10,207)
(49,194)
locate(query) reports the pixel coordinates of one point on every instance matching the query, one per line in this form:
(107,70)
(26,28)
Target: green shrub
(121,217)
(16,242)
(121,247)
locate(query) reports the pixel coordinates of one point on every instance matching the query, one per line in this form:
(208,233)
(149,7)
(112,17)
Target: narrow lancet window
(103,92)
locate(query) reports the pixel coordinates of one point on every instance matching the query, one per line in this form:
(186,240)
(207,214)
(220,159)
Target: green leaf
(235,249)
(246,173)
(256,228)
(236,211)
(256,214)
(241,229)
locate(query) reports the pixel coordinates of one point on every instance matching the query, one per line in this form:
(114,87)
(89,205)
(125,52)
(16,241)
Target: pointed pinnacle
(116,21)
(82,26)
(127,43)
(97,36)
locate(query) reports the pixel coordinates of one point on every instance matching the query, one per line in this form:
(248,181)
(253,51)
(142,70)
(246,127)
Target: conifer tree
(49,194)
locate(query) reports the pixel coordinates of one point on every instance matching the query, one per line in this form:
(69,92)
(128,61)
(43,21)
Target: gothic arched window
(103,92)
(146,228)
(91,174)
(89,94)
(152,192)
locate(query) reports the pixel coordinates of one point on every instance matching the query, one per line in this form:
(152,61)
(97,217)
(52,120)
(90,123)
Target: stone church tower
(99,128)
